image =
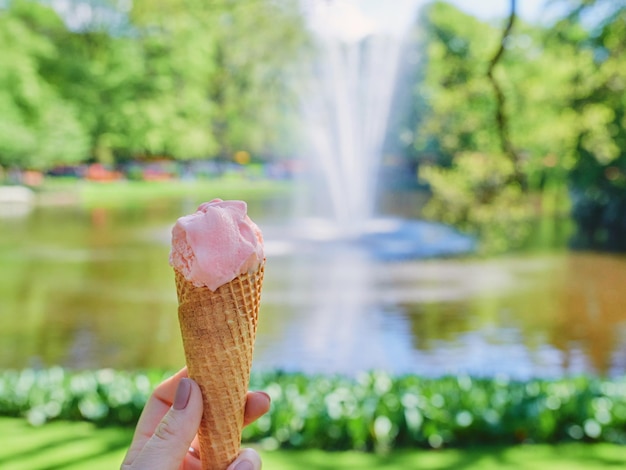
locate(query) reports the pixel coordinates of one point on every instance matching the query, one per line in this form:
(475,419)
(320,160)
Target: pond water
(88,288)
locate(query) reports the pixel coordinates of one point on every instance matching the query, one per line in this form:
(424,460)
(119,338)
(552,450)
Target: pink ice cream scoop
(216,244)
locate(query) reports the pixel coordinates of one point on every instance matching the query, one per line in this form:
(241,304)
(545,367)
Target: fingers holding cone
(257,402)
(164,397)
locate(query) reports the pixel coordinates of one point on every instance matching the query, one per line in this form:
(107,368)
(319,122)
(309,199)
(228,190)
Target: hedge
(373,411)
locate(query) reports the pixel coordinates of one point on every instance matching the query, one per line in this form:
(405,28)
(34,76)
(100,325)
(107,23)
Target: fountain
(346,114)
(346,106)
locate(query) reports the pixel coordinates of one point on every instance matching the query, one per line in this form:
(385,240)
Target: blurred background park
(442,191)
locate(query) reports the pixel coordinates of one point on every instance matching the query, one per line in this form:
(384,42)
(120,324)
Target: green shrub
(373,411)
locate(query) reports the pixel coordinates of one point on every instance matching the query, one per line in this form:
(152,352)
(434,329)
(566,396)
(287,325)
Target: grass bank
(79,445)
(118,193)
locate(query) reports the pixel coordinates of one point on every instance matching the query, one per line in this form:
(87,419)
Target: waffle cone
(218,329)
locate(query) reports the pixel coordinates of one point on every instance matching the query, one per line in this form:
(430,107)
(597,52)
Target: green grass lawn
(114,193)
(65,445)
(60,445)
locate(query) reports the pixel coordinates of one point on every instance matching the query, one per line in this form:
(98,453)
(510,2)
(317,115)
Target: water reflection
(545,315)
(559,315)
(327,317)
(92,288)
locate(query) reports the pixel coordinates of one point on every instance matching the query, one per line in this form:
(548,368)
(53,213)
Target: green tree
(559,91)
(598,176)
(455,101)
(38,129)
(225,64)
(475,183)
(121,81)
(181,78)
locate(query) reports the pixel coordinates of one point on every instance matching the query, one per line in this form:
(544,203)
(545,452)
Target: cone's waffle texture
(218,330)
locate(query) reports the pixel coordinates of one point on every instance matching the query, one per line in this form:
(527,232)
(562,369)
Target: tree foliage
(184,79)
(598,176)
(38,127)
(561,89)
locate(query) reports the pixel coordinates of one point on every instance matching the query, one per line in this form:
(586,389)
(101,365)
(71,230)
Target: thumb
(169,444)
(248,460)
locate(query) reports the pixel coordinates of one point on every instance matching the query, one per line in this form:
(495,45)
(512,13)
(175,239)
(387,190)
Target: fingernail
(194,453)
(266,395)
(183,392)
(244,465)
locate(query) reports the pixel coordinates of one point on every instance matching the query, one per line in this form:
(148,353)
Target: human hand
(166,434)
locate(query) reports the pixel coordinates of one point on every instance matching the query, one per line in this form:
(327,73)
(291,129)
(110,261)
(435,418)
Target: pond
(90,288)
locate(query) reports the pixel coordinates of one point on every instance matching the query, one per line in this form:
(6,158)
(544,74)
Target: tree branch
(501,116)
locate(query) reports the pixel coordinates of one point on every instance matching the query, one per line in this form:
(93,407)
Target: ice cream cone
(218,330)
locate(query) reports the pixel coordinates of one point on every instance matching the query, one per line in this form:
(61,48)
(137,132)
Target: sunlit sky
(486,9)
(353,19)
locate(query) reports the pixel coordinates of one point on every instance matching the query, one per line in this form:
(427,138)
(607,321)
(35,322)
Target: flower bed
(373,411)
